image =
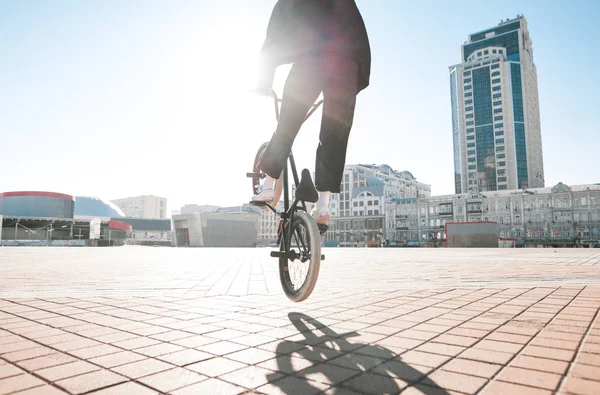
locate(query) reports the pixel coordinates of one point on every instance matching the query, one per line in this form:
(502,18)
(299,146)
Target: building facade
(358,211)
(496,128)
(227,227)
(145,206)
(560,215)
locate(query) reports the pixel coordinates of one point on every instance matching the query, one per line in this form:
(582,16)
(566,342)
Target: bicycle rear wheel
(299,272)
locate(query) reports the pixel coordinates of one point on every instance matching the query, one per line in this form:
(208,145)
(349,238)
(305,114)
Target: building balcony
(447,214)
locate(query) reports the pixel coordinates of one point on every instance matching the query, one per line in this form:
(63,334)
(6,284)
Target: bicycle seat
(306,190)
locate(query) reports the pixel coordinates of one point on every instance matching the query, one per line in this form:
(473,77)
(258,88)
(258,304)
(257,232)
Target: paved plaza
(144,320)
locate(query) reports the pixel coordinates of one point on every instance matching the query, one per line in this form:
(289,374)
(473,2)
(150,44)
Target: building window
(499,125)
(498,103)
(498,118)
(472,167)
(471,152)
(501,179)
(361,204)
(376,202)
(499,133)
(467,80)
(470,145)
(497,96)
(496,81)
(468,87)
(470,123)
(495,66)
(470,101)
(497,88)
(369,203)
(468,94)
(469,116)
(470,130)
(497,110)
(494,51)
(486,52)
(472,159)
(501,156)
(495,73)
(499,141)
(466,73)
(470,108)
(355,204)
(376,212)
(472,137)
(501,163)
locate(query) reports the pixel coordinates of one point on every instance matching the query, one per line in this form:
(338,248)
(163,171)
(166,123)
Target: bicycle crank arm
(290,255)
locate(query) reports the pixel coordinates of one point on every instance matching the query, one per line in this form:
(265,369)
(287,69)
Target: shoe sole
(323,219)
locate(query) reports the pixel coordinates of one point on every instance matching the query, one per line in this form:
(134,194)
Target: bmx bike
(298,234)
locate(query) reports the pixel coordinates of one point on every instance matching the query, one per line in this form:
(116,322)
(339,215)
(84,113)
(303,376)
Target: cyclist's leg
(302,88)
(338,114)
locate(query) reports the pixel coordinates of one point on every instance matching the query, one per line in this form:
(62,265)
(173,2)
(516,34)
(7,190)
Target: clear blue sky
(118,98)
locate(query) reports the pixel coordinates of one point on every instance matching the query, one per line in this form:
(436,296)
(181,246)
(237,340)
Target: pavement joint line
(507,365)
(470,319)
(577,353)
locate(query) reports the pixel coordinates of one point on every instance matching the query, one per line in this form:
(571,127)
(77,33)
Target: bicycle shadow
(337,360)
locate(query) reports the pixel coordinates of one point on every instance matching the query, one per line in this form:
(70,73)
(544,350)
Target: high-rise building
(495,112)
(146,206)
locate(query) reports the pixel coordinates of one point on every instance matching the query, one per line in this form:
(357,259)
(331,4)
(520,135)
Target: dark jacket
(300,28)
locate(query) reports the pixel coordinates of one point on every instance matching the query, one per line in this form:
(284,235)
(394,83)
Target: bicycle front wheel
(299,271)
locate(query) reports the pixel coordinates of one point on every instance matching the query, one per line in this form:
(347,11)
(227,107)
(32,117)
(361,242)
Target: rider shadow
(337,360)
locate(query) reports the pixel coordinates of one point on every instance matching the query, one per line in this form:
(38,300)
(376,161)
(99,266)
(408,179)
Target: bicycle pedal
(322,228)
(258,204)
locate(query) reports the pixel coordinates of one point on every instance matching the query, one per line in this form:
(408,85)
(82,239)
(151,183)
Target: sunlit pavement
(143,320)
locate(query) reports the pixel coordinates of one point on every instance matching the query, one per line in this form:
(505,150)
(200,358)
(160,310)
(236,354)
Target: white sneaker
(321,215)
(265,196)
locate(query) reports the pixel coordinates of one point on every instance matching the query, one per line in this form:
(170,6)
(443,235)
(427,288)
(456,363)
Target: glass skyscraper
(495,112)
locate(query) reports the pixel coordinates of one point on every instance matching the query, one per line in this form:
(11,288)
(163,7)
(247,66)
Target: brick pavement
(195,321)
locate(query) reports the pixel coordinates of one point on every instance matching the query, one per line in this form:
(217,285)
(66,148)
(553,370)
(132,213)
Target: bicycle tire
(311,248)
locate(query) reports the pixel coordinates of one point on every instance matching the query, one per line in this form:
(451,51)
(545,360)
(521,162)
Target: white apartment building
(358,211)
(145,206)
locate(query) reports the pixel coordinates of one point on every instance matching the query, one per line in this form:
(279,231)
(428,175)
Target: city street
(144,320)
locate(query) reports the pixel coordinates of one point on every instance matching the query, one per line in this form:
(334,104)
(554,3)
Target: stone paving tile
(43,390)
(91,381)
(251,377)
(448,321)
(173,379)
(66,370)
(116,359)
(19,383)
(210,386)
(127,389)
(142,368)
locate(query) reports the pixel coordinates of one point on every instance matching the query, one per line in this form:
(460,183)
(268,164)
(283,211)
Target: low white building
(228,227)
